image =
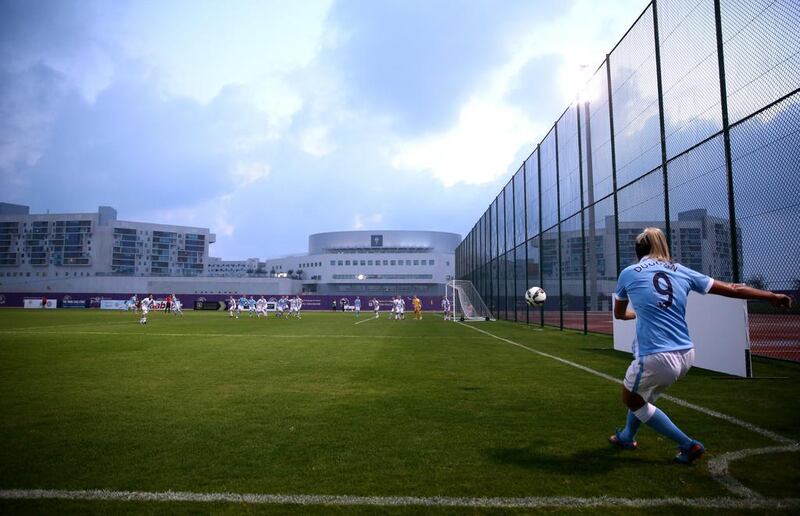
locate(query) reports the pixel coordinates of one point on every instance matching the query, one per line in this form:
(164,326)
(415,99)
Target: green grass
(92,400)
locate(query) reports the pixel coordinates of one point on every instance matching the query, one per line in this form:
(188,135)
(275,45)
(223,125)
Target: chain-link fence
(692,122)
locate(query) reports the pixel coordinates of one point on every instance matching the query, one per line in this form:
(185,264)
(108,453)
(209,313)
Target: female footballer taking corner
(657,288)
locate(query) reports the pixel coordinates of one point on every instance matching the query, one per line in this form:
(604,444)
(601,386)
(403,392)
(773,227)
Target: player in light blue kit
(357,305)
(657,289)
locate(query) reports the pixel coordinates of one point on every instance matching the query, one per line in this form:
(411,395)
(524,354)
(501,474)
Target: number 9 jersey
(658,292)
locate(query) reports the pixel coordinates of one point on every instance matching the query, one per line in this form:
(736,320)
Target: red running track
(771,335)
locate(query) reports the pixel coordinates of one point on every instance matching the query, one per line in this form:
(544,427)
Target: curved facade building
(373,263)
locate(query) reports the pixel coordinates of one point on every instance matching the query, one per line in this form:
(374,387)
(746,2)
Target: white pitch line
(366,320)
(718,467)
(535,502)
(709,412)
(259,335)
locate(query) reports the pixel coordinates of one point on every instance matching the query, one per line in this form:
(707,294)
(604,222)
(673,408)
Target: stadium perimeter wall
(691,124)
(310,302)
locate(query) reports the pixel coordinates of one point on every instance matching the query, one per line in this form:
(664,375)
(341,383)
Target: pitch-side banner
(719,329)
(113,304)
(37,303)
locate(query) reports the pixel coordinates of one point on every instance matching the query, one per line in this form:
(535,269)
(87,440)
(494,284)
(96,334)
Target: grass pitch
(324,406)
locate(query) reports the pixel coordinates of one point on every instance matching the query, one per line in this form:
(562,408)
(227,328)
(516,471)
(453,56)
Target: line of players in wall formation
(171,305)
(284,308)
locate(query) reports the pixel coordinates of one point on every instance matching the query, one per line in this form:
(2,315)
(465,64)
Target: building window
(430,262)
(347,262)
(340,263)
(416,262)
(424,262)
(369,262)
(408,262)
(392,262)
(333,262)
(386,262)
(363,262)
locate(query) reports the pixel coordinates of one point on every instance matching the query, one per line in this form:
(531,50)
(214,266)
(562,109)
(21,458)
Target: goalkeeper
(417,304)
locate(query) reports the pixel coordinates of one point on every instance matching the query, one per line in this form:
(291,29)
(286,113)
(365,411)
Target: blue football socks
(631,427)
(664,426)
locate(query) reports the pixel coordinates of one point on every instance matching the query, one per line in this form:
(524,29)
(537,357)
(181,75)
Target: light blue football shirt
(358,303)
(658,292)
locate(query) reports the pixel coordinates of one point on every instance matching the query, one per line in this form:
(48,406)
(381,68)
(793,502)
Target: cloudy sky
(270,120)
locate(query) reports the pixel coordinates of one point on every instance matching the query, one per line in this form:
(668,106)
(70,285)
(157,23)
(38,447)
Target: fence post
(583,228)
(613,159)
(513,246)
(659,84)
(525,229)
(726,139)
(558,230)
(541,247)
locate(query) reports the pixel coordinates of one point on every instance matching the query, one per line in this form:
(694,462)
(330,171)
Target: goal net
(465,302)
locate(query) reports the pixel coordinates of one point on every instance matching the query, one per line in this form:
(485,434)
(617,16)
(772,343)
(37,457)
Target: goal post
(465,302)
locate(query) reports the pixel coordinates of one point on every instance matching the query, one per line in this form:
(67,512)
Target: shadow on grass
(586,462)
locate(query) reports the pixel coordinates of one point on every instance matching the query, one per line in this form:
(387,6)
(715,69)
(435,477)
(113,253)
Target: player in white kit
(402,308)
(298,305)
(177,306)
(396,308)
(446,308)
(376,306)
(146,303)
(232,307)
(261,307)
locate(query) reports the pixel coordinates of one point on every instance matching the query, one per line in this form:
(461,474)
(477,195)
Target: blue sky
(267,121)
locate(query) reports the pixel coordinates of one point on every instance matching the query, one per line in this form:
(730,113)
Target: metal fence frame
(485,254)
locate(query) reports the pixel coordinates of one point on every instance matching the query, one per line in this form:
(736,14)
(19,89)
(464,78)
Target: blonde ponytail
(652,242)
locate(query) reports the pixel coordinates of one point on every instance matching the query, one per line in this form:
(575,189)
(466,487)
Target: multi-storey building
(372,263)
(96,244)
(94,253)
(233,268)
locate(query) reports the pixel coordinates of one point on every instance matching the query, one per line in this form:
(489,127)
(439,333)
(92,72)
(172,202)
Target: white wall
(718,327)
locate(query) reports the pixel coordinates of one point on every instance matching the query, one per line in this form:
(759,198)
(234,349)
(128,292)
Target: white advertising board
(718,327)
(113,304)
(36,302)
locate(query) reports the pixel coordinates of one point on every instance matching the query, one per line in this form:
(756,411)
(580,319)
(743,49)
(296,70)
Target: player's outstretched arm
(621,310)
(738,291)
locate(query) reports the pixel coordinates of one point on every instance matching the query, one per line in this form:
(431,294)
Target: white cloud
(247,173)
(490,132)
(315,140)
(481,146)
(366,221)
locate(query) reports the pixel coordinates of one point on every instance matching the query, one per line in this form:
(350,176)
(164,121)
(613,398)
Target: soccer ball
(535,296)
